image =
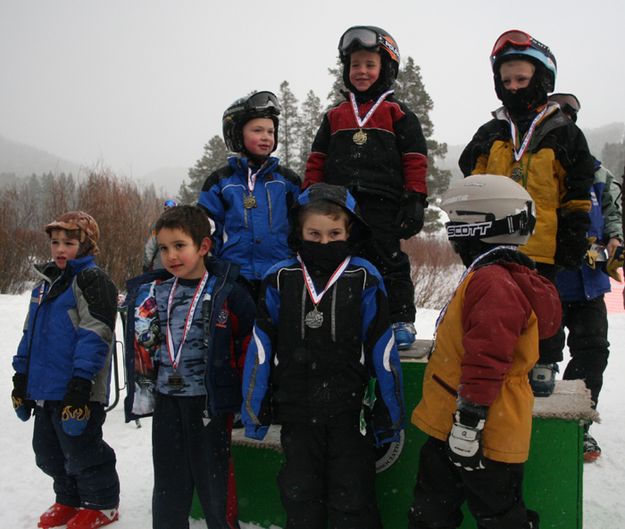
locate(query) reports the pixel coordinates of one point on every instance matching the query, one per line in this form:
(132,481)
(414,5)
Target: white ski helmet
(491,208)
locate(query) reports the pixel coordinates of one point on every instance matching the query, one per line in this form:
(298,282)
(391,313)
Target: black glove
(75,412)
(572,241)
(543,379)
(23,407)
(409,220)
(464,444)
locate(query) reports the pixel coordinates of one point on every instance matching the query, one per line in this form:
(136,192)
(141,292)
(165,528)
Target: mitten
(464,444)
(572,242)
(409,220)
(543,379)
(23,407)
(75,412)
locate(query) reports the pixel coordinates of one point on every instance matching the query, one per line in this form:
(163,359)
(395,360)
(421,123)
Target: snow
(26,492)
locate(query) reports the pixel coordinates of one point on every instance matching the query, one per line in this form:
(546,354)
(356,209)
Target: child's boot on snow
(592,452)
(57,515)
(405,334)
(92,518)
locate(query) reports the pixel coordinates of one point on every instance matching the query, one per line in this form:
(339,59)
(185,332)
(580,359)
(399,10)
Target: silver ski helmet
(491,208)
(257,105)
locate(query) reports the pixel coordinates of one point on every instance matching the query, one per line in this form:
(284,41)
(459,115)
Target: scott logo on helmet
(468,230)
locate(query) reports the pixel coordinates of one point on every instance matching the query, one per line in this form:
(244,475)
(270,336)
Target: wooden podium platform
(553,479)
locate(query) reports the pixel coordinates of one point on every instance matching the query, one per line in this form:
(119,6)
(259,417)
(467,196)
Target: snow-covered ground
(25,491)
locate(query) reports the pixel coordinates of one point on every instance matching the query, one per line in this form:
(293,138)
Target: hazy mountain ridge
(18,160)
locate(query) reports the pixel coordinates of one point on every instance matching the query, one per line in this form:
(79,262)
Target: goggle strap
(521,222)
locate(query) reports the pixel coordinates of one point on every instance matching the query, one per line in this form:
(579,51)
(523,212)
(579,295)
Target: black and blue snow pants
(82,467)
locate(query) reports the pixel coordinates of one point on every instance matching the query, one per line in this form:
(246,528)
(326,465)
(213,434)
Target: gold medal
(249,202)
(359,137)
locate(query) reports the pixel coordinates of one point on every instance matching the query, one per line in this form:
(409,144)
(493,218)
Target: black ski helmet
(370,38)
(569,104)
(257,105)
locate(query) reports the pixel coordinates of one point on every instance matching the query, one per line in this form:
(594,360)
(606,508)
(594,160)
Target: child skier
(373,145)
(249,198)
(533,142)
(322,330)
(582,291)
(199,322)
(151,255)
(477,401)
(62,372)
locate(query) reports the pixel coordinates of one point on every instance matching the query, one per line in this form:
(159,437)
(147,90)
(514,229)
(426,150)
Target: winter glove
(543,379)
(23,407)
(572,243)
(614,263)
(409,220)
(75,412)
(464,444)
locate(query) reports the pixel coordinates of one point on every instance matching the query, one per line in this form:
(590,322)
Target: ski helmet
(489,208)
(258,105)
(519,45)
(569,104)
(84,224)
(370,38)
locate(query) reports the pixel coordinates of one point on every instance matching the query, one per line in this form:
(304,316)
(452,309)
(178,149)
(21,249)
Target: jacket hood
(539,291)
(338,195)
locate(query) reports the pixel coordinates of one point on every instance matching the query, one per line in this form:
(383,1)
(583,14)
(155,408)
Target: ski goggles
(169,203)
(367,38)
(568,102)
(264,100)
(517,39)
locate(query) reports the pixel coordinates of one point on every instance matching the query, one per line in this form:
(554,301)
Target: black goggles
(522,222)
(263,101)
(367,38)
(568,102)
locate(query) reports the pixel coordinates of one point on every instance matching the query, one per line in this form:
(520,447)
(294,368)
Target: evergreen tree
(335,95)
(410,89)
(215,156)
(310,118)
(289,124)
(613,158)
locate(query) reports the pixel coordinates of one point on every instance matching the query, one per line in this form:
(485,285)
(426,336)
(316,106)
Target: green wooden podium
(553,479)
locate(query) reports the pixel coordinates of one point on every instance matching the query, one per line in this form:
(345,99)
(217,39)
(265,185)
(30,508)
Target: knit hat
(83,223)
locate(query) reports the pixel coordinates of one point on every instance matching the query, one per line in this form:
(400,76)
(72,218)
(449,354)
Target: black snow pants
(494,495)
(188,455)
(384,251)
(587,323)
(328,475)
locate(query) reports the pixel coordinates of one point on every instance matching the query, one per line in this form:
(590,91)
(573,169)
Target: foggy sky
(142,84)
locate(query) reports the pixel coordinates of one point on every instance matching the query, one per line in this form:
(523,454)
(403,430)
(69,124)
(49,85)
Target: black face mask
(527,99)
(324,257)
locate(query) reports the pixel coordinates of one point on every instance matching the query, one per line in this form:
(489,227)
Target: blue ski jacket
(254,237)
(68,330)
(587,283)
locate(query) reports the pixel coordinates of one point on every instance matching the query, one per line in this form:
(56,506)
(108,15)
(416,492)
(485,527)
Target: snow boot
(592,452)
(57,515)
(92,518)
(543,379)
(405,334)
